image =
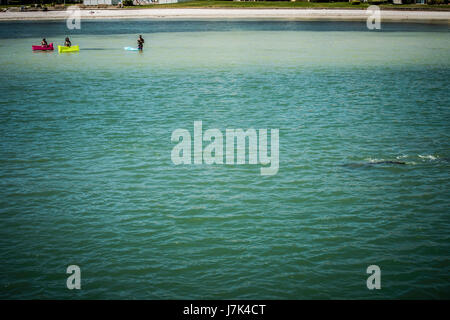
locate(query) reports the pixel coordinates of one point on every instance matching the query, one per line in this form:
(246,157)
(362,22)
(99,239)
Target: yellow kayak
(68,49)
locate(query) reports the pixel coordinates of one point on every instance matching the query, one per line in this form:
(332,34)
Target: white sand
(297,14)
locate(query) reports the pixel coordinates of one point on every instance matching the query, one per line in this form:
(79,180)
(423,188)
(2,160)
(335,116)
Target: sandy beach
(296,14)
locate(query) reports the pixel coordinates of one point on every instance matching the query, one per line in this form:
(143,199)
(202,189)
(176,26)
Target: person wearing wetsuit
(140,42)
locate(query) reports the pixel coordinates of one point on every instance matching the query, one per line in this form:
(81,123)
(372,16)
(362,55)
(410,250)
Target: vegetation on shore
(289,4)
(317,4)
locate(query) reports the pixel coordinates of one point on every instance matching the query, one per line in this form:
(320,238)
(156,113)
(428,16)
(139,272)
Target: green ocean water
(86,175)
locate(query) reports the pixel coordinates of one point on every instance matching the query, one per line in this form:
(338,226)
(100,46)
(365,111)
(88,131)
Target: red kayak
(49,47)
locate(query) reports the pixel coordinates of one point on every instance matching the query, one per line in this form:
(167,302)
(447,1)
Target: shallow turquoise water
(87,178)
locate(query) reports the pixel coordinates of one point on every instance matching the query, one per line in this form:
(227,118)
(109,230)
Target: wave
(428,157)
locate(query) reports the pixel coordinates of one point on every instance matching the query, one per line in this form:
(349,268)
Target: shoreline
(234,13)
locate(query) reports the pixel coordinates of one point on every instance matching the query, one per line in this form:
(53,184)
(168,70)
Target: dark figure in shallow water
(44,43)
(67,43)
(140,42)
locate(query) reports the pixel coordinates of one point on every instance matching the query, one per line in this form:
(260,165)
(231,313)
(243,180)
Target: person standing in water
(140,42)
(67,43)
